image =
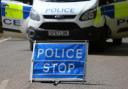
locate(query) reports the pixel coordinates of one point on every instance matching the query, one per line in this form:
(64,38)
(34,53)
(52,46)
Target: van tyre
(1,29)
(117,41)
(31,45)
(99,43)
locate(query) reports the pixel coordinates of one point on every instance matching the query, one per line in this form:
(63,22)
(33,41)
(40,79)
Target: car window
(65,0)
(25,1)
(28,2)
(105,2)
(119,0)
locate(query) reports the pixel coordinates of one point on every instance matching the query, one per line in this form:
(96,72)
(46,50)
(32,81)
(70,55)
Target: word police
(60,10)
(12,22)
(60,53)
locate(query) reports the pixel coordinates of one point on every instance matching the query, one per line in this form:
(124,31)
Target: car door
(116,14)
(121,16)
(14,13)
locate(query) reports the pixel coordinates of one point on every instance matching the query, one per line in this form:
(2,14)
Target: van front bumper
(89,33)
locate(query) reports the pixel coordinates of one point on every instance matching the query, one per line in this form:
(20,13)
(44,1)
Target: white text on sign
(60,67)
(60,53)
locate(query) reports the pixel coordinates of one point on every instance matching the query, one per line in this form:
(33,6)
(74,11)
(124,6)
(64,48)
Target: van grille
(59,26)
(59,16)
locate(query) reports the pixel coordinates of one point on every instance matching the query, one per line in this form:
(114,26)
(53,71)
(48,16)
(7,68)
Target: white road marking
(4,84)
(6,39)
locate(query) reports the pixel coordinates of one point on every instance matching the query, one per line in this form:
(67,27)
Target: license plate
(58,33)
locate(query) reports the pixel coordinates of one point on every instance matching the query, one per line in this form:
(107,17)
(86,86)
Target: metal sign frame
(59,79)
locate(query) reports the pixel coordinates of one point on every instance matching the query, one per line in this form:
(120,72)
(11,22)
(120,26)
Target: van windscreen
(65,0)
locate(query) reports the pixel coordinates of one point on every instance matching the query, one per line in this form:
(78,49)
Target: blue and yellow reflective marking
(98,19)
(26,11)
(108,10)
(117,10)
(15,11)
(3,9)
(121,9)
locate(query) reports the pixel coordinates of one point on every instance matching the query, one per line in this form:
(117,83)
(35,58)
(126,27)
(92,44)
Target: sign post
(59,61)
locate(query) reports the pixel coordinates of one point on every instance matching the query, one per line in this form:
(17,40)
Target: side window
(119,0)
(109,1)
(105,2)
(26,1)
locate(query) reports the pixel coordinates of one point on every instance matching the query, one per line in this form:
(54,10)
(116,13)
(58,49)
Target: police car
(91,20)
(13,14)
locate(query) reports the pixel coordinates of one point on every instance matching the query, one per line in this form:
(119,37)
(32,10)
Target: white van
(91,20)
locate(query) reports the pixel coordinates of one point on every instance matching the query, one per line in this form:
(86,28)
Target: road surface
(106,70)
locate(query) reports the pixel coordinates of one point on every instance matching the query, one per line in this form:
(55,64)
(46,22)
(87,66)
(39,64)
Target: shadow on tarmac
(113,50)
(69,82)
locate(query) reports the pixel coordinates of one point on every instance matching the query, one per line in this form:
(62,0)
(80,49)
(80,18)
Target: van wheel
(99,43)
(31,45)
(1,29)
(117,41)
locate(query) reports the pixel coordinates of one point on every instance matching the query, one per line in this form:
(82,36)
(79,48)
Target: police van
(93,20)
(13,14)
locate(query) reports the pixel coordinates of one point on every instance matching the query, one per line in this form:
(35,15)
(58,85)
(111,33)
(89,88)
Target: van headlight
(34,15)
(88,15)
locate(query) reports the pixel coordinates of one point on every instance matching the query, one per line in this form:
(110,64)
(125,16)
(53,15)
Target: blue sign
(59,61)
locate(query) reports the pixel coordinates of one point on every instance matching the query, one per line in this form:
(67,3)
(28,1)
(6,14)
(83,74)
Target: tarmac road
(106,70)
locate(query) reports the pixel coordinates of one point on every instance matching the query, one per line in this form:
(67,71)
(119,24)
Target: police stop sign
(63,61)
